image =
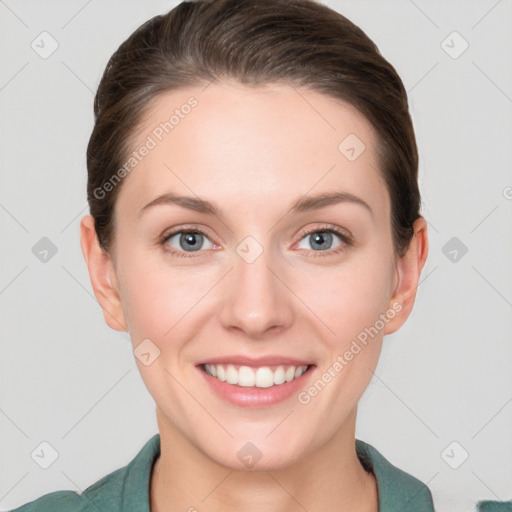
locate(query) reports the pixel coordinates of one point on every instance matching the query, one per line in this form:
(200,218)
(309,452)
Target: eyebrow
(322,200)
(304,204)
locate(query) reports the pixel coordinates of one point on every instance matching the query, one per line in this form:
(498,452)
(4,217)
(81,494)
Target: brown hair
(252,42)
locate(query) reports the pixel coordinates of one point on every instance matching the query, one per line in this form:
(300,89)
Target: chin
(258,453)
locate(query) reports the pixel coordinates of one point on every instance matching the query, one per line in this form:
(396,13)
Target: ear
(102,275)
(408,271)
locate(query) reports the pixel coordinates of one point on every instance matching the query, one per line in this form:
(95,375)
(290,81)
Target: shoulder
(129,484)
(59,500)
(396,488)
(106,491)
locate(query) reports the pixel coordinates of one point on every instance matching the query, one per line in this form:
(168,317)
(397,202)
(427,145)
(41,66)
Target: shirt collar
(397,489)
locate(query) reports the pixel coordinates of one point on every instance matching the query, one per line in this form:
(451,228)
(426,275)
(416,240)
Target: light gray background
(67,379)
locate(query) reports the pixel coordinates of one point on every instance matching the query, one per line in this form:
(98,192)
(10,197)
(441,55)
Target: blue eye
(324,240)
(321,240)
(188,241)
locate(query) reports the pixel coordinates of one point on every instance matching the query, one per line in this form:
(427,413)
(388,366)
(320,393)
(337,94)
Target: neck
(331,478)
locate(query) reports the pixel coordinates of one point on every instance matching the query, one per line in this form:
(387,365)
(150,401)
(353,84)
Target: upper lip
(270,360)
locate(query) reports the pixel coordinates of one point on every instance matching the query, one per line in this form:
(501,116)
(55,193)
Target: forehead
(233,142)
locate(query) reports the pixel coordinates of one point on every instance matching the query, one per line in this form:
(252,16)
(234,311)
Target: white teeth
(231,375)
(245,377)
(290,374)
(279,376)
(263,377)
(221,373)
(211,369)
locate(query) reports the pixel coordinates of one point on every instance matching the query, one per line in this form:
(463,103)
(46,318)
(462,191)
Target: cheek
(350,301)
(349,298)
(160,300)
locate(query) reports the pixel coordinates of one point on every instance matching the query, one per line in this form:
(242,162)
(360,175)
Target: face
(254,261)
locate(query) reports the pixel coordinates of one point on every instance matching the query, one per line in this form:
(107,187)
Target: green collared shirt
(127,489)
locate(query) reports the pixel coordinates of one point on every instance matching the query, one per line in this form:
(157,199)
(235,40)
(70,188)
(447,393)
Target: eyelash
(181,254)
(346,240)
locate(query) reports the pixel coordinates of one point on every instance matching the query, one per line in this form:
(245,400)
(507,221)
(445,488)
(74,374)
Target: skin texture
(253,152)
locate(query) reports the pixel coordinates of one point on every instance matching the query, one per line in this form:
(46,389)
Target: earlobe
(102,275)
(408,271)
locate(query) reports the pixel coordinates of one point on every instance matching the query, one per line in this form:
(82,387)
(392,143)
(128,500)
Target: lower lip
(256,397)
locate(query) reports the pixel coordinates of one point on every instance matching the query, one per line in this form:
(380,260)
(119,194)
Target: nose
(256,300)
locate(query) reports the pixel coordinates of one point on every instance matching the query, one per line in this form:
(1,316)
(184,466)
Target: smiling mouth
(261,377)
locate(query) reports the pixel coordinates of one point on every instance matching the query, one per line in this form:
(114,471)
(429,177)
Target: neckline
(393,485)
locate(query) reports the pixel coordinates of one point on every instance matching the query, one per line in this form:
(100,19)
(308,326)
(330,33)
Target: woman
(255,227)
